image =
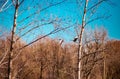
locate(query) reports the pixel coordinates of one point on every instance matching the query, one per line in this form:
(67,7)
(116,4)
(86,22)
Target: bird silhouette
(75,39)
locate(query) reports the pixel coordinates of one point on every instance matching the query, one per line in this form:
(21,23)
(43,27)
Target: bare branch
(21,2)
(26,26)
(33,29)
(41,10)
(52,32)
(4,63)
(3,8)
(96,4)
(4,5)
(98,18)
(99,51)
(28,8)
(14,3)
(1,61)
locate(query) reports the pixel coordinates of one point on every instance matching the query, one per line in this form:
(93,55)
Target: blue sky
(113,23)
(68,10)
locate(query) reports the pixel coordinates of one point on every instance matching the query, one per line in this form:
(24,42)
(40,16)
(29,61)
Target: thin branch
(33,29)
(52,5)
(93,11)
(97,18)
(23,10)
(52,32)
(4,63)
(92,53)
(3,8)
(94,7)
(7,7)
(96,4)
(21,2)
(28,17)
(26,9)
(13,2)
(65,72)
(93,65)
(41,10)
(24,27)
(4,5)
(3,58)
(30,71)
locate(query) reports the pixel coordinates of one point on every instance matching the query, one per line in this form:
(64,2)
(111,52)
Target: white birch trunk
(10,62)
(80,40)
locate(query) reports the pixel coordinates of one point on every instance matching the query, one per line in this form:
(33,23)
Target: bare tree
(93,53)
(16,4)
(61,56)
(80,39)
(86,21)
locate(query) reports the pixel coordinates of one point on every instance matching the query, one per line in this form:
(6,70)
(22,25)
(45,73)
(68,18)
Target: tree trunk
(80,40)
(10,62)
(41,69)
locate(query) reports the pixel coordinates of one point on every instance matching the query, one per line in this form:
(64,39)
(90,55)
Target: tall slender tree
(16,4)
(80,39)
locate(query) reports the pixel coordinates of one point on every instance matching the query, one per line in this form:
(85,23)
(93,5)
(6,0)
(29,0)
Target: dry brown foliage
(47,59)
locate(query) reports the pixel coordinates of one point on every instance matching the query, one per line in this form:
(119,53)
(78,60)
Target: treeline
(49,59)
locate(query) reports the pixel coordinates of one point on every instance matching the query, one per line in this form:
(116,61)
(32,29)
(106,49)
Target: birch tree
(85,22)
(16,4)
(80,39)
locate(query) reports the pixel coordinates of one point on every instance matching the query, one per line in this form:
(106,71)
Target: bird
(75,39)
(61,41)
